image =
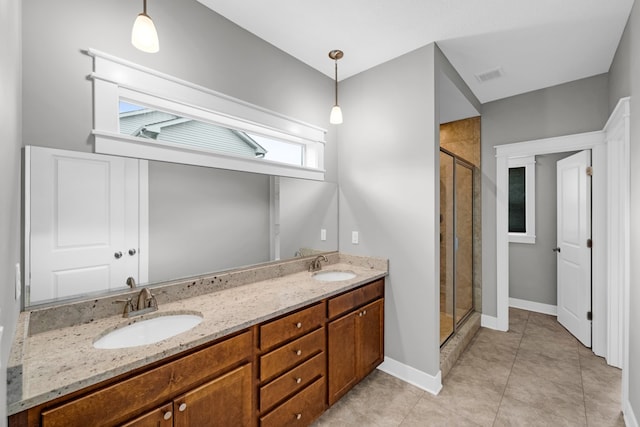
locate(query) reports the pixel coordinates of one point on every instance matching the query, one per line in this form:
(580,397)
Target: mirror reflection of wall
(306,209)
(205,219)
(198,220)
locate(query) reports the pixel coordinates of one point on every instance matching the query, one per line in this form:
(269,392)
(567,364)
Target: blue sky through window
(125,107)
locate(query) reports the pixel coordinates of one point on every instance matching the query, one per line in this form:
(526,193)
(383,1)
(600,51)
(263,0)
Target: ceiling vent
(489,75)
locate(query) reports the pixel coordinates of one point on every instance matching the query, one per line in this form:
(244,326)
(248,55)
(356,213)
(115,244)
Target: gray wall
(10,166)
(532,268)
(575,107)
(625,81)
(388,174)
(220,223)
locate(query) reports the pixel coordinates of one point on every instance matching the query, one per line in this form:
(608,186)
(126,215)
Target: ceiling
(536,43)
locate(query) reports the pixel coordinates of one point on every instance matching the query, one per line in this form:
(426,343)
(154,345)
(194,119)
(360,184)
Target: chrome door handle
(556,249)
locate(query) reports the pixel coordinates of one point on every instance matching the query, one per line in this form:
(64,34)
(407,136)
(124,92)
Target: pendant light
(144,35)
(336,113)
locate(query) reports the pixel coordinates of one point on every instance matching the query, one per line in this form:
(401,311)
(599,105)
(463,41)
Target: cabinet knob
(299,325)
(298,352)
(117,255)
(360,314)
(132,251)
(182,407)
(298,416)
(364,312)
(167,415)
(298,380)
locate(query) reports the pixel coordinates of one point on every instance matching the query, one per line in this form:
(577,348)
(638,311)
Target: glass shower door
(456,243)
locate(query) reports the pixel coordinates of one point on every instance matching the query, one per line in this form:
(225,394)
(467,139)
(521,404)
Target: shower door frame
(465,163)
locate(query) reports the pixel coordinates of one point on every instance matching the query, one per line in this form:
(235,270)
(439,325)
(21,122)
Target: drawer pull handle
(298,380)
(298,352)
(299,325)
(298,416)
(167,415)
(182,407)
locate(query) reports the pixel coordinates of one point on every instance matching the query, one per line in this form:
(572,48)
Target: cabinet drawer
(291,326)
(113,403)
(345,302)
(301,410)
(284,358)
(291,381)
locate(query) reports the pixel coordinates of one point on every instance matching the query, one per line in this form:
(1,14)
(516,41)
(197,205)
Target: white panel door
(574,256)
(83,216)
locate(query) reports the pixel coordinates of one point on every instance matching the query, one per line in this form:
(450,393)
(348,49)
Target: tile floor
(536,374)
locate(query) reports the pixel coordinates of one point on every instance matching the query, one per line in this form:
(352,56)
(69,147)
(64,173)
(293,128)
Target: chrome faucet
(315,264)
(145,299)
(146,303)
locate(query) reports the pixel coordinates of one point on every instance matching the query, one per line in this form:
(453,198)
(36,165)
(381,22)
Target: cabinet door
(224,401)
(159,417)
(370,337)
(343,370)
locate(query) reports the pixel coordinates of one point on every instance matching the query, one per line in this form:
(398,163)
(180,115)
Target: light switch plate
(323,234)
(355,238)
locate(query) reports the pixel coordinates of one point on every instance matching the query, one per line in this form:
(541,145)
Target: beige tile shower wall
(462,138)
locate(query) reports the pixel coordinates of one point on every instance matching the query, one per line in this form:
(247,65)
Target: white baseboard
(490,322)
(422,380)
(537,307)
(630,419)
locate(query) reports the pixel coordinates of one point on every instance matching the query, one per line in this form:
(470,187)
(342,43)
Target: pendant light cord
(336,81)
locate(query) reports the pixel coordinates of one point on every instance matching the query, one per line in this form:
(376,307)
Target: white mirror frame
(115,78)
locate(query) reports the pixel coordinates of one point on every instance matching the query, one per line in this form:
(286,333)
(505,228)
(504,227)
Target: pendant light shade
(144,35)
(335,118)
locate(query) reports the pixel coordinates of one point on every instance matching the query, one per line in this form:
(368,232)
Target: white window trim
(529,163)
(115,78)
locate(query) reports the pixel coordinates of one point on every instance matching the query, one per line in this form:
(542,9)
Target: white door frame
(610,216)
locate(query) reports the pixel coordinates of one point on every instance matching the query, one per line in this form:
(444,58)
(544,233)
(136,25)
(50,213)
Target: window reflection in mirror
(155,125)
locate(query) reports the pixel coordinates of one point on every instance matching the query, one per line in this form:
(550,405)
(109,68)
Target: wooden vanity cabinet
(224,401)
(284,372)
(211,387)
(355,337)
(292,362)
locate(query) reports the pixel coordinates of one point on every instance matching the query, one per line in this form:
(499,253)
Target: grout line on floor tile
(506,384)
(584,397)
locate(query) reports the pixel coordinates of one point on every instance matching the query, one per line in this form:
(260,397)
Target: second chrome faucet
(315,264)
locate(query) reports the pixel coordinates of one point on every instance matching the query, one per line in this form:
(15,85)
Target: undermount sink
(148,331)
(333,276)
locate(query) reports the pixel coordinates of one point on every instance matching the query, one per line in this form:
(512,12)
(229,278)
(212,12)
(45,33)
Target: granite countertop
(52,363)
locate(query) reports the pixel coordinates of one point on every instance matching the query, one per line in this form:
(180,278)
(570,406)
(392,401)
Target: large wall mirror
(94,220)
